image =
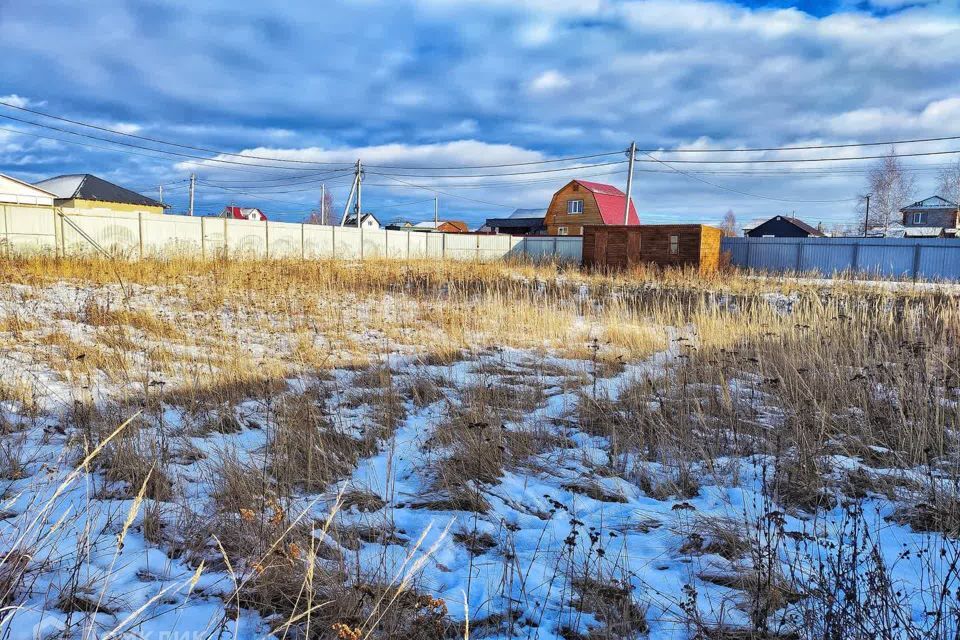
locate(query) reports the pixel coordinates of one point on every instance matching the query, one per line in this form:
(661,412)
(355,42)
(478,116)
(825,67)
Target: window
(674,245)
(574,207)
(561,231)
(919,217)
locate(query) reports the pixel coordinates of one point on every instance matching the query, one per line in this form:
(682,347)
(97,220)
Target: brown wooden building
(665,245)
(581,203)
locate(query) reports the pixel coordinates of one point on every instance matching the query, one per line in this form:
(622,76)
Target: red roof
(244,213)
(611,202)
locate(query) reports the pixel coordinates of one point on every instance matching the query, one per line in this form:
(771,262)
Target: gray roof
(89,187)
(528,213)
(933,202)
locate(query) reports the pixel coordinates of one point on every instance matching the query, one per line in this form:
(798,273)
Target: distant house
(522,222)
(243,213)
(367,221)
(581,203)
(441,226)
(13,191)
(931,218)
(86,191)
(781,227)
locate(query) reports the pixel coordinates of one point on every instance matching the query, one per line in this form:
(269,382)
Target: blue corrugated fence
(920,258)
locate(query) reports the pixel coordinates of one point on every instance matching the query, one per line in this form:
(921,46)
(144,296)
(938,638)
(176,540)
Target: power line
(496,175)
(274,159)
(468,167)
(135,146)
(743,193)
(403,204)
(444,193)
(790,160)
(806,147)
(157,140)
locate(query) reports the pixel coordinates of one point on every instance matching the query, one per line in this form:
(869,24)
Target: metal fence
(919,258)
(38,229)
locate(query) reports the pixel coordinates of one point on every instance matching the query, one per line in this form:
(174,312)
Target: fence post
(855,262)
(443,246)
(56,233)
(203,238)
(361,242)
(266,237)
(799,256)
(140,231)
(226,241)
(303,241)
(916,260)
(6,230)
(333,241)
(408,246)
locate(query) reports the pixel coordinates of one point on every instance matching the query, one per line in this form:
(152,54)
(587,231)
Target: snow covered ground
(579,536)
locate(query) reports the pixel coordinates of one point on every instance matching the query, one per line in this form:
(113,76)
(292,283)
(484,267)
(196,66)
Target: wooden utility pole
(193,183)
(626,207)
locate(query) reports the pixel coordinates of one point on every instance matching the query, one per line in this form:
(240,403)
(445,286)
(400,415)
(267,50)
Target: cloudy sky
(442,84)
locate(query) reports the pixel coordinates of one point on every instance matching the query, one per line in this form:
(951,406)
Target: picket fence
(67,232)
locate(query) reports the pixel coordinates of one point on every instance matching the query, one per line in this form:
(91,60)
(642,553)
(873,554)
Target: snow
(545,530)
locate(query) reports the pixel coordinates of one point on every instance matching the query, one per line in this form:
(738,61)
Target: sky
(432,86)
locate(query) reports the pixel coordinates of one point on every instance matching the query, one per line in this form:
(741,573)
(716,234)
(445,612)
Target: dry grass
(795,381)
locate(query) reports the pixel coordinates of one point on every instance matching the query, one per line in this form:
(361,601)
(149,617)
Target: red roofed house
(243,213)
(583,203)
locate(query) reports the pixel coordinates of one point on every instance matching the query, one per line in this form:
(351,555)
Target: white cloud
(17,101)
(549,81)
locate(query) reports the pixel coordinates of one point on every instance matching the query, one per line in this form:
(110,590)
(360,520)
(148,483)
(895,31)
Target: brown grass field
(337,450)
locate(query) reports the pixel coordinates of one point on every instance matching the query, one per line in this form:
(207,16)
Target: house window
(561,231)
(574,207)
(674,245)
(919,217)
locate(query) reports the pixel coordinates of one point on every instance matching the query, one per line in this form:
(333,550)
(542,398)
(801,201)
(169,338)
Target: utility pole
(323,204)
(866,216)
(161,194)
(436,211)
(193,183)
(359,192)
(626,208)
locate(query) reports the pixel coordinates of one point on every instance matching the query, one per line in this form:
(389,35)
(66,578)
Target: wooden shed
(665,245)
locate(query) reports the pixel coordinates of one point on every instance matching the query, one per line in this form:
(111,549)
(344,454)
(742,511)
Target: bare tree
(948,182)
(729,224)
(891,188)
(323,213)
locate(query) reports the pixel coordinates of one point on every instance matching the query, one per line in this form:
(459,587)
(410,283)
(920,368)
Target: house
(86,191)
(13,191)
(243,213)
(440,226)
(781,227)
(581,203)
(931,218)
(367,221)
(522,222)
(665,245)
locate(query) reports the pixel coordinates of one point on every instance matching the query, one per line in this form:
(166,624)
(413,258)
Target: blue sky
(447,83)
